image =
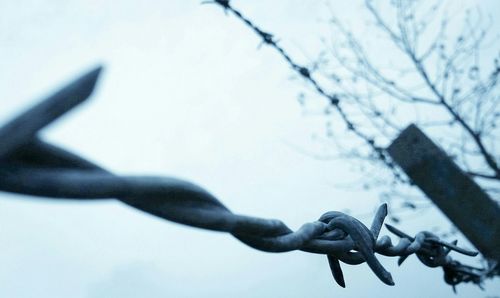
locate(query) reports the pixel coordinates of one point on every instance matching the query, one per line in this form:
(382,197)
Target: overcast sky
(186,92)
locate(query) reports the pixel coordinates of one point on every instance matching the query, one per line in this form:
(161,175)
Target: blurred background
(191,93)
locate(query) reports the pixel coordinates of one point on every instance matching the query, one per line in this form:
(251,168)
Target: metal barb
(24,127)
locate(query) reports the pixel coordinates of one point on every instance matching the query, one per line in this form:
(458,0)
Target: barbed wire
(334,99)
(31,166)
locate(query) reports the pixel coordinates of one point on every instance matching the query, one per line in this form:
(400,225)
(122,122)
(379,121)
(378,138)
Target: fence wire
(333,99)
(32,166)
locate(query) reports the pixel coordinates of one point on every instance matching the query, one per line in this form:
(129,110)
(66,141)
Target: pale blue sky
(186,92)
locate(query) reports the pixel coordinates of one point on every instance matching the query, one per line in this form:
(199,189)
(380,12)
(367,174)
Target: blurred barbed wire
(31,166)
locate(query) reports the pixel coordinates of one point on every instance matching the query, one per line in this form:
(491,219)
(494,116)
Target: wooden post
(454,192)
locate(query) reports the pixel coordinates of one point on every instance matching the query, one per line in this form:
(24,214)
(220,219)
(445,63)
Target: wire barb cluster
(29,165)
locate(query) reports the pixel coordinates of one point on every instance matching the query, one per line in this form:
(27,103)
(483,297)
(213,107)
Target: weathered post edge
(455,193)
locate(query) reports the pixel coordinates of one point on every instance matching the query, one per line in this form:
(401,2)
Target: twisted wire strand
(31,166)
(334,99)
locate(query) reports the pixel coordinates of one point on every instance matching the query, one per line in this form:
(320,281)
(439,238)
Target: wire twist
(31,166)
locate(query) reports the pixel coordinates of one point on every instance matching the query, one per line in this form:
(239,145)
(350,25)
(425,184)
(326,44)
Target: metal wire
(31,166)
(333,99)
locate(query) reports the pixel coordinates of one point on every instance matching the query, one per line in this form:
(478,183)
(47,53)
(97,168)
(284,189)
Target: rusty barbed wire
(31,166)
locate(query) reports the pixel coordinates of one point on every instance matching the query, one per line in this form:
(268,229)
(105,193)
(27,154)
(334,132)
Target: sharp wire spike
(336,270)
(378,220)
(23,128)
